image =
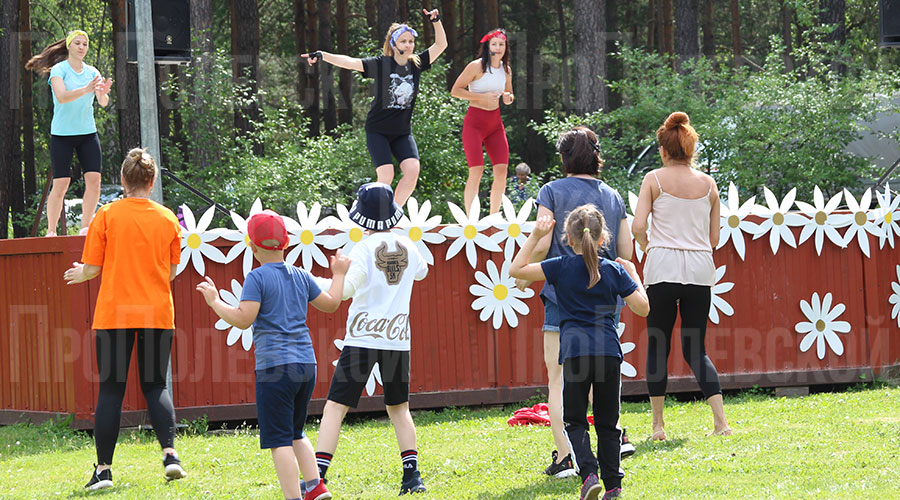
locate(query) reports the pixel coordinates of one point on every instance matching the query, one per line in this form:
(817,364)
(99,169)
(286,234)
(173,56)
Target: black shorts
(86,146)
(353,369)
(382,146)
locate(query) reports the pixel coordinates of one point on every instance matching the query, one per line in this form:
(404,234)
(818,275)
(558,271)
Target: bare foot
(658,435)
(726,431)
(49,233)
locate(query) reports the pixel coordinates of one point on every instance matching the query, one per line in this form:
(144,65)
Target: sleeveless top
(678,250)
(492,81)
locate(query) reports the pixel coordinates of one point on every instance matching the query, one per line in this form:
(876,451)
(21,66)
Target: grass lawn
(827,445)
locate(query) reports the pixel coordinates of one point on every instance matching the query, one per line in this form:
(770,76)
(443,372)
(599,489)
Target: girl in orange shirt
(136,242)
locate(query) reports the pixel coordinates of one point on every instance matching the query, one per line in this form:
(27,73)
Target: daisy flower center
(820,325)
(860,218)
(194,241)
(500,292)
(821,217)
(247,239)
(415,234)
(306,237)
(778,218)
(734,221)
(889,217)
(514,230)
(470,232)
(356,234)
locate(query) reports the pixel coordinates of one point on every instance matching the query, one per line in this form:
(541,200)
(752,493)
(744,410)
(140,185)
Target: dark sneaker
(413,484)
(612,494)
(561,469)
(173,467)
(626,449)
(591,488)
(320,492)
(100,480)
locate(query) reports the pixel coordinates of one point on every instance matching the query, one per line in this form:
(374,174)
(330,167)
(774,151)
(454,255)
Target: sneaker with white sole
(562,469)
(412,484)
(100,480)
(626,449)
(173,467)
(591,488)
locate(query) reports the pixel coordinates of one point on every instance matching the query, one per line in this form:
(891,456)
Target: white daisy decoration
(513,228)
(374,376)
(416,227)
(820,220)
(348,233)
(467,232)
(732,223)
(889,216)
(778,220)
(895,298)
(306,234)
(233,299)
(632,203)
(627,368)
(860,219)
(498,296)
(718,303)
(241,237)
(821,326)
(195,241)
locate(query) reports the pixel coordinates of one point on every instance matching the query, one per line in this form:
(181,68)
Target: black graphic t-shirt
(395,93)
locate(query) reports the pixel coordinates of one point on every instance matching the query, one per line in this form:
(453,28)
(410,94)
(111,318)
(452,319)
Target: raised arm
(440,36)
(64,96)
(330,300)
(523,265)
(241,316)
(341,61)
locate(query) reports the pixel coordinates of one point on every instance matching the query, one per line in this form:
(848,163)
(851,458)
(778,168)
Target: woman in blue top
(72,130)
(581,163)
(588,289)
(396,73)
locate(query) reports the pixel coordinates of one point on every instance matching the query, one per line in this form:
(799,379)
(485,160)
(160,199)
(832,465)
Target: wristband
(316,55)
(437,19)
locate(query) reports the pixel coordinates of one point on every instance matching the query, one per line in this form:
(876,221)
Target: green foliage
(197,427)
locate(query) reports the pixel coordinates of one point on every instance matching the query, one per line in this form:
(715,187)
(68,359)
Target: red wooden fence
(47,357)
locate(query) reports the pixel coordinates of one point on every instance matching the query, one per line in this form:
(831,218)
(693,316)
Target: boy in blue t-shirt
(587,290)
(274,302)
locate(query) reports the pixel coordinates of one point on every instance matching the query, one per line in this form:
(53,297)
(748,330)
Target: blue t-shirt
(280,334)
(587,316)
(564,195)
(74,117)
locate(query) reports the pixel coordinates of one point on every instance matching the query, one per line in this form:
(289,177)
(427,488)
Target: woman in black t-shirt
(396,73)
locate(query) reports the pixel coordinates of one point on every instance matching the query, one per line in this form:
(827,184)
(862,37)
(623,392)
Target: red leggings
(482,127)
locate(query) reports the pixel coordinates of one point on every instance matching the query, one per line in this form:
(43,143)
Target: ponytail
(138,170)
(54,53)
(586,227)
(677,137)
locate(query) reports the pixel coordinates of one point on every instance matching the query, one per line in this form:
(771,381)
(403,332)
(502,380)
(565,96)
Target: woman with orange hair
(679,269)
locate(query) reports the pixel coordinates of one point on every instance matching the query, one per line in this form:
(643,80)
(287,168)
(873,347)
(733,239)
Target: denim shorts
(551,316)
(282,402)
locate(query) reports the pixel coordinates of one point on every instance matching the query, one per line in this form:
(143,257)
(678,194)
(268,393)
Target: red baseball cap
(267,226)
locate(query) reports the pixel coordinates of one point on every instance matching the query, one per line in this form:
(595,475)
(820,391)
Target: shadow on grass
(554,487)
(648,446)
(84,493)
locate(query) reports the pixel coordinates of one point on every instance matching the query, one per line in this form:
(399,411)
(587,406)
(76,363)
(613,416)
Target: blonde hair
(677,137)
(388,50)
(138,169)
(586,229)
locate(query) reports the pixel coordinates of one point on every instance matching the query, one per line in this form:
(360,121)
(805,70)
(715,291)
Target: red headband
(492,34)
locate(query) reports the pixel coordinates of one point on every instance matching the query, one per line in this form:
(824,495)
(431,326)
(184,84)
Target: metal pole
(143,27)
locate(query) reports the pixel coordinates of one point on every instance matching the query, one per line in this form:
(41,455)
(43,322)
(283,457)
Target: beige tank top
(678,250)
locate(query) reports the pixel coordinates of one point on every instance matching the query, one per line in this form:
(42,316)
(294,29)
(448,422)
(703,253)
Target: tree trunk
(660,27)
(403,11)
(787,15)
(11,186)
(564,56)
(651,24)
(833,13)
(125,88)
(427,28)
(461,57)
(492,14)
(534,86)
(736,49)
(326,71)
(245,66)
(387,15)
(668,32)
(313,111)
(590,56)
(345,87)
(448,15)
(687,32)
(631,25)
(614,65)
(479,24)
(372,21)
(709,26)
(27,101)
(201,130)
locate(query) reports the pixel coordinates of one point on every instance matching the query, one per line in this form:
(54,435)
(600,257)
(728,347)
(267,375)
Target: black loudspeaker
(890,23)
(171,31)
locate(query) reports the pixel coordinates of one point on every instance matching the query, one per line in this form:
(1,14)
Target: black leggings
(86,146)
(665,301)
(113,358)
